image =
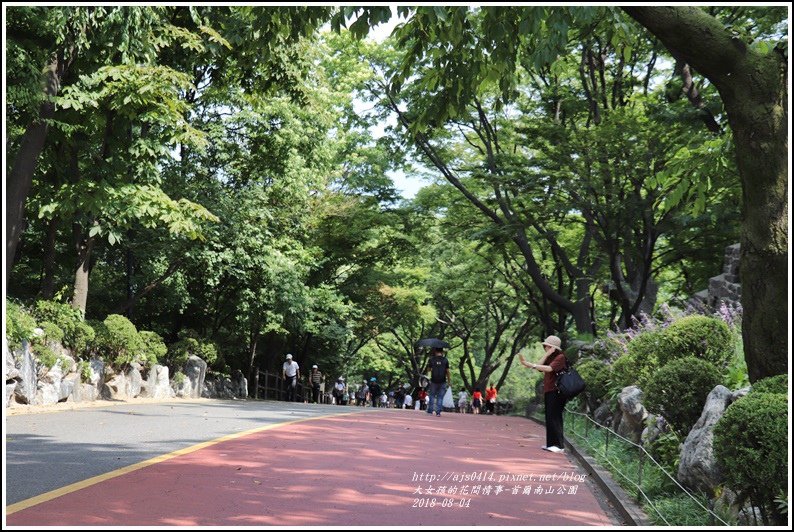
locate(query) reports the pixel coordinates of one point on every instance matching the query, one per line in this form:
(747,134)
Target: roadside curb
(624,505)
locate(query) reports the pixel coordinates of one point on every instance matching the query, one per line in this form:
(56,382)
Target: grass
(663,501)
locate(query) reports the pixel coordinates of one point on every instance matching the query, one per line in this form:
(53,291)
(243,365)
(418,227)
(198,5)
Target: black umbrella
(432,342)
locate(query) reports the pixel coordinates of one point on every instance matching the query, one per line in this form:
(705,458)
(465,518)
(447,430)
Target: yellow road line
(54,494)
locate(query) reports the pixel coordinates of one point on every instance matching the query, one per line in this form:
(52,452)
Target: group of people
(431,400)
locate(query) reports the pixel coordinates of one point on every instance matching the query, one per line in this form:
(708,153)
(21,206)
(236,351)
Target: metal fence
(645,460)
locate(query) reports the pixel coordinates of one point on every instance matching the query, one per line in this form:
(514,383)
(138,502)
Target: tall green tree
(751,78)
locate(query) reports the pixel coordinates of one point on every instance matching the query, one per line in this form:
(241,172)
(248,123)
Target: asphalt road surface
(266,463)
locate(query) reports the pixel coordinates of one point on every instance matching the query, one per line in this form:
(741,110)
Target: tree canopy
(217,172)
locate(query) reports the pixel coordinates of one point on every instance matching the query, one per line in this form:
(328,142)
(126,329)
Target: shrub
(178,352)
(751,448)
(645,351)
(84,368)
(679,390)
(118,340)
(622,374)
(154,349)
(52,333)
(596,374)
(776,384)
(70,320)
(703,337)
(45,356)
(19,324)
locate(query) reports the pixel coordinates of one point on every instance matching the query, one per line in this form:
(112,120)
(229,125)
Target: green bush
(703,337)
(645,351)
(622,374)
(154,349)
(52,333)
(751,448)
(118,341)
(678,391)
(80,338)
(76,334)
(179,351)
(45,356)
(596,374)
(776,384)
(19,324)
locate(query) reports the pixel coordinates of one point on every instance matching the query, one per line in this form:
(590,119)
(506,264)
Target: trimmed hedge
(751,448)
(678,391)
(703,337)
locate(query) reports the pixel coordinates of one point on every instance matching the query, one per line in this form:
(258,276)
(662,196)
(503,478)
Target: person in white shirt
(409,401)
(291,373)
(463,401)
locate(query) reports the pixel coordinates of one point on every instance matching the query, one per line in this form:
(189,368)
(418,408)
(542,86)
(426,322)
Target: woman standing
(552,362)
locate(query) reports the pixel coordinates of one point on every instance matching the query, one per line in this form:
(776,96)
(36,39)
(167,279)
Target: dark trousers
(316,392)
(555,405)
(292,387)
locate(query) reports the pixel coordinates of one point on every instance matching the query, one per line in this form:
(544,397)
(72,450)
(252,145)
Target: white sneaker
(545,448)
(555,449)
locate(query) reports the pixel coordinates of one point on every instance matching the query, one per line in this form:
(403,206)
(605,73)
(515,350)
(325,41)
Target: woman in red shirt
(550,364)
(476,401)
(490,398)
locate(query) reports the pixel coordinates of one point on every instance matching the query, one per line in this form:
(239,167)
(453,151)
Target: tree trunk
(83,244)
(48,282)
(754,90)
(21,176)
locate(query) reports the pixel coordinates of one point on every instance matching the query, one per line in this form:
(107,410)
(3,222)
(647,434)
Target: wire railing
(643,455)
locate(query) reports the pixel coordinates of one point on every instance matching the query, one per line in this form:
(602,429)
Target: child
(476,401)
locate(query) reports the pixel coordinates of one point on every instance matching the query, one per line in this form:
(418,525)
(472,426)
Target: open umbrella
(432,342)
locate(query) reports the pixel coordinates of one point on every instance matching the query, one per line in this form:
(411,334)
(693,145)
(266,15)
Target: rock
(632,421)
(196,372)
(697,468)
(27,380)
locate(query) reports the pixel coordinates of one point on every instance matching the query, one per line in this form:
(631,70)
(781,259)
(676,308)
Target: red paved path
(370,467)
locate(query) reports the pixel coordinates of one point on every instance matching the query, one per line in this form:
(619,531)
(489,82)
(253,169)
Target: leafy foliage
(678,391)
(118,341)
(750,445)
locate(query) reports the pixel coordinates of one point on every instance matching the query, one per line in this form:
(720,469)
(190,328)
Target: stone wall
(725,287)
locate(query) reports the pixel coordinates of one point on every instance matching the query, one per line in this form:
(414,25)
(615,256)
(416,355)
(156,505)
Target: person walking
(362,395)
(374,392)
(476,401)
(291,373)
(340,391)
(316,379)
(551,363)
(463,401)
(438,366)
(490,398)
(421,395)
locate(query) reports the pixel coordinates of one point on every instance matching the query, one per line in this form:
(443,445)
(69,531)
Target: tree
(752,79)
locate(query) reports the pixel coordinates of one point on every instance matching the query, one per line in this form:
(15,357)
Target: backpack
(438,369)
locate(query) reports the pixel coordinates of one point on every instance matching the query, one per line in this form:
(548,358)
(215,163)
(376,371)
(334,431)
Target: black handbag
(569,382)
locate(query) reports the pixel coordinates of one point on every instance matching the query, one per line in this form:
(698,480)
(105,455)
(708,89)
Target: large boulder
(633,413)
(195,372)
(697,467)
(26,376)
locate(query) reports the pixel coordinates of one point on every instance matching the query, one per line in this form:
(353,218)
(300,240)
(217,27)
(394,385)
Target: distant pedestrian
(551,363)
(399,397)
(340,391)
(408,401)
(291,373)
(490,398)
(421,395)
(476,401)
(383,402)
(463,401)
(316,379)
(362,394)
(374,392)
(438,366)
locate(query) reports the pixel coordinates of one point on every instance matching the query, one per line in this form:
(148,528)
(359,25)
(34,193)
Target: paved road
(259,463)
